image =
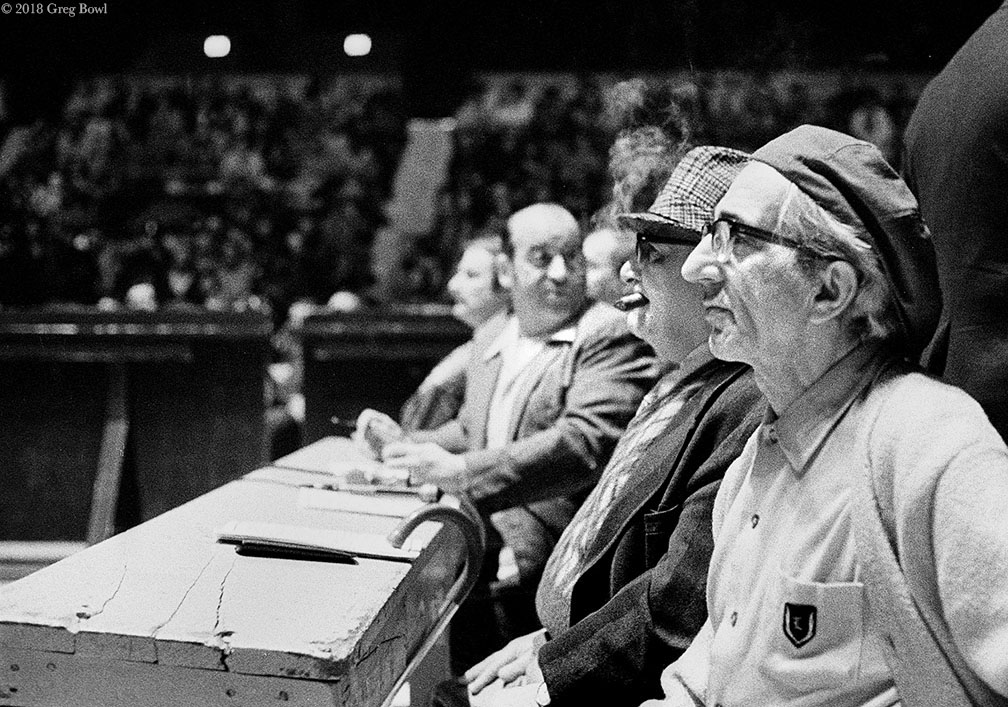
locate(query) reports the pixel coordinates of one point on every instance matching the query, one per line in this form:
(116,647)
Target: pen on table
(425,492)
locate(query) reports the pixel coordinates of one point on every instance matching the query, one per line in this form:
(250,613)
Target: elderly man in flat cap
(861,543)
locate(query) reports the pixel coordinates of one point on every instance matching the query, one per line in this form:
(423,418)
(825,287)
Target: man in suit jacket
(624,589)
(957,166)
(479,298)
(548,393)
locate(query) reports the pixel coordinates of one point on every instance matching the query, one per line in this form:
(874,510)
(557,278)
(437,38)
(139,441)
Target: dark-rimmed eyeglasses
(647,253)
(724,232)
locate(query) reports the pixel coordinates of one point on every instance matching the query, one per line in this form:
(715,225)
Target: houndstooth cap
(686,202)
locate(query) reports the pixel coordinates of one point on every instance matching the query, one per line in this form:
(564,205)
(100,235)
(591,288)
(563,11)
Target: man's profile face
(672,320)
(549,274)
(604,254)
(474,288)
(756,297)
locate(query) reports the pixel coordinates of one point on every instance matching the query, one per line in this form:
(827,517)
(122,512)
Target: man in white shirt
(548,394)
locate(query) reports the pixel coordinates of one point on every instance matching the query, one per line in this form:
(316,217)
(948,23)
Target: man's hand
(427,463)
(374,431)
(517,659)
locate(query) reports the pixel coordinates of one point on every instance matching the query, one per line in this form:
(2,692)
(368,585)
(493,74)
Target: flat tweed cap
(851,180)
(686,202)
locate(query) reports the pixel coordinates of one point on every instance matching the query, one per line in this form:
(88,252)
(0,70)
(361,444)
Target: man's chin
(636,322)
(721,347)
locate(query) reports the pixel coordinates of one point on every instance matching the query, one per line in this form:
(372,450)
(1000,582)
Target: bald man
(549,391)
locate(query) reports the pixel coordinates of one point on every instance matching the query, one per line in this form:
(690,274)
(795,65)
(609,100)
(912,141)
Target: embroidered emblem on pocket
(799,623)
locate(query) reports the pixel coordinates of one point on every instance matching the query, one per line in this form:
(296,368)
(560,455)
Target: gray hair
(872,314)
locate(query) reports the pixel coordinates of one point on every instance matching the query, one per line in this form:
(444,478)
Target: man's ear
(504,270)
(838,286)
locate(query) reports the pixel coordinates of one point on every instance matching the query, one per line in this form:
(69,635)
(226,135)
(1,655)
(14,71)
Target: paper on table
(367,545)
(394,506)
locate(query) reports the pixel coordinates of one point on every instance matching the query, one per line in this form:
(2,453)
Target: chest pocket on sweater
(658,527)
(818,634)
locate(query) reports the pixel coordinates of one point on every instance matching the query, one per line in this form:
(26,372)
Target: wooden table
(164,615)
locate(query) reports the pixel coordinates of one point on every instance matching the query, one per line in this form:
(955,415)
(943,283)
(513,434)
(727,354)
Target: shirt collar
(510,335)
(804,426)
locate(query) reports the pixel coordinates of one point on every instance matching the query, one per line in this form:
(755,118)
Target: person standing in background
(956,163)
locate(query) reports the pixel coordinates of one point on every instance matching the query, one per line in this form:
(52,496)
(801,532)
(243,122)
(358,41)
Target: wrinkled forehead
(758,197)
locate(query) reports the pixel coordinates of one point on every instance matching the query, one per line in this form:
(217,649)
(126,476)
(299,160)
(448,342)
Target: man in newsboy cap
(861,545)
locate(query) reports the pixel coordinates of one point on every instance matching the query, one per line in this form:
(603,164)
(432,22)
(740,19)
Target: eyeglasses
(724,232)
(648,254)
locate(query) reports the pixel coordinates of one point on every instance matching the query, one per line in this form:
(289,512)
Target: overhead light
(216,46)
(357,45)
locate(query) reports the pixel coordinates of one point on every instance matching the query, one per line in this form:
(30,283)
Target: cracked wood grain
(182,601)
(85,613)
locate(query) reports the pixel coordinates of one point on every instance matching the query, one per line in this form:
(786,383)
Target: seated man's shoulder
(908,394)
(489,332)
(913,413)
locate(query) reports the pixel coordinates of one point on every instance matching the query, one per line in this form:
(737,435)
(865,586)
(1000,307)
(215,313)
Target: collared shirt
(786,607)
(517,352)
(566,563)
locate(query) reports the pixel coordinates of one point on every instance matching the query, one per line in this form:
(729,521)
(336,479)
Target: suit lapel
(482,380)
(528,380)
(664,456)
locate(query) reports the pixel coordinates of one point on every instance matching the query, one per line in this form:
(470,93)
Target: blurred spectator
(862,113)
(478,298)
(605,250)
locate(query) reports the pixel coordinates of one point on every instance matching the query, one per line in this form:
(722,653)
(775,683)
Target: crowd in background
(250,192)
(258,192)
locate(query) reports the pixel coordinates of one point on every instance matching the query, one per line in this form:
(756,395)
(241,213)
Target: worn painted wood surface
(331,455)
(164,603)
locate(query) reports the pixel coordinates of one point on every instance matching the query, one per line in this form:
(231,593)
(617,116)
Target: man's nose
(701,264)
(628,273)
(557,269)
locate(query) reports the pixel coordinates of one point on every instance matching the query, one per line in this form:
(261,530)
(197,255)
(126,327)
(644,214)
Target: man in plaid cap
(622,592)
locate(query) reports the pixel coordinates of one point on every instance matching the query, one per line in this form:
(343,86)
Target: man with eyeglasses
(861,545)
(548,392)
(622,592)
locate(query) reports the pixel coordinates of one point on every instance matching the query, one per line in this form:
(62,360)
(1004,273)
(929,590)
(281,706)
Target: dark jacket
(642,597)
(956,164)
(571,413)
